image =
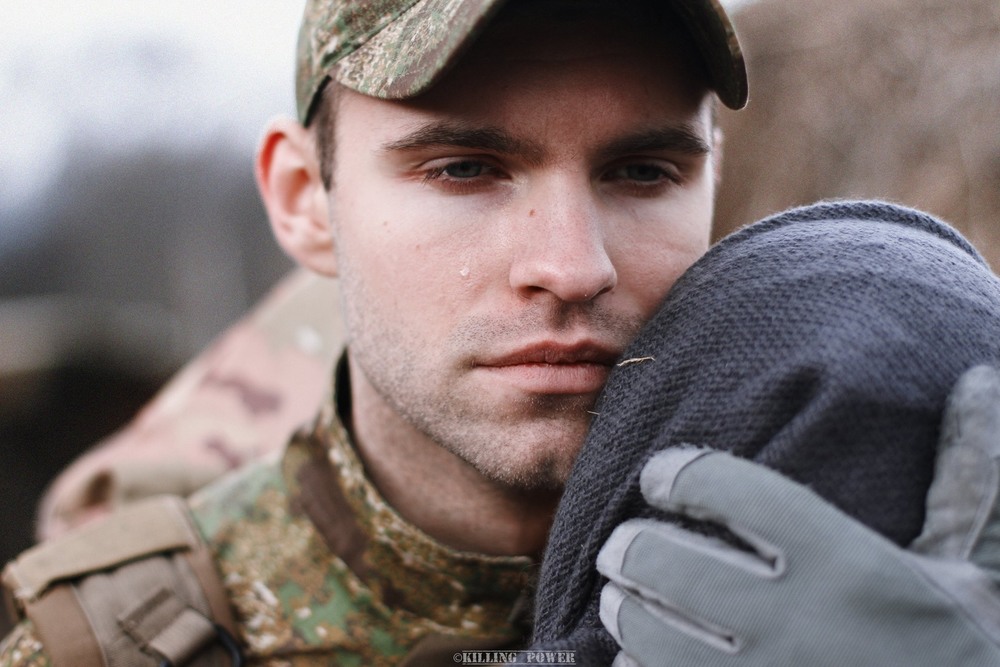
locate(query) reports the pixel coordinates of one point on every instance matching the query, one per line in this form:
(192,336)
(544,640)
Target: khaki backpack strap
(163,623)
(137,589)
(60,615)
(199,559)
(156,525)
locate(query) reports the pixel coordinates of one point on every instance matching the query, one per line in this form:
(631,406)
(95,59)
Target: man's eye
(643,172)
(463,169)
(640,173)
(469,171)
(463,176)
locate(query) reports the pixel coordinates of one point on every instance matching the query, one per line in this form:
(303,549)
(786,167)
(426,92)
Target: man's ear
(288,177)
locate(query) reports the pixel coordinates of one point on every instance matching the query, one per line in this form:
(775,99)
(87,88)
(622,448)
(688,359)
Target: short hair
(323,121)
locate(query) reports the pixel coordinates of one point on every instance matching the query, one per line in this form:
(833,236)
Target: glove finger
(690,578)
(770,512)
(972,413)
(959,501)
(962,516)
(652,636)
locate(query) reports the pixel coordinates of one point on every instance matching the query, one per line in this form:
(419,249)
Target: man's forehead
(618,105)
(619,66)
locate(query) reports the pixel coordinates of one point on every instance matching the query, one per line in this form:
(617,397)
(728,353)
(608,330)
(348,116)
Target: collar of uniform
(403,566)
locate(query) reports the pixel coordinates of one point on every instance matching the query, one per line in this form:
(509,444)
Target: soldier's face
(502,238)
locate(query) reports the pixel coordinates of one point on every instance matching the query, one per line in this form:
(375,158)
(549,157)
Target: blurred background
(130,228)
(131,233)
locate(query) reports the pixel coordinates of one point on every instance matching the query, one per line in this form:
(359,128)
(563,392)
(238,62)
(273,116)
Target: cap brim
(713,33)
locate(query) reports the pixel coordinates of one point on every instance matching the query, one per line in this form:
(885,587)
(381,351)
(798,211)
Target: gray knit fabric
(822,343)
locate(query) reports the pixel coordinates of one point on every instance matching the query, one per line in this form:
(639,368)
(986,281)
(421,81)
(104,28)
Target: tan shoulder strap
(155,526)
(138,588)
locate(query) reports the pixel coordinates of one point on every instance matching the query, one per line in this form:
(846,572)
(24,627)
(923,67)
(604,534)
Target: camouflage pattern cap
(395,49)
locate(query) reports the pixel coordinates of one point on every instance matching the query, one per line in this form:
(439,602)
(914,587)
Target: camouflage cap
(395,49)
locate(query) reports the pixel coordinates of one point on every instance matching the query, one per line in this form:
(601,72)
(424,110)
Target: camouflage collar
(405,567)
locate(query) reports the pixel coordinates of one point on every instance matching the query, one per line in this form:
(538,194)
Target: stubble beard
(528,454)
(524,445)
(527,444)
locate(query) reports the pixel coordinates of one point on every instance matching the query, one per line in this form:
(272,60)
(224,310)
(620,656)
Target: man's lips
(552,368)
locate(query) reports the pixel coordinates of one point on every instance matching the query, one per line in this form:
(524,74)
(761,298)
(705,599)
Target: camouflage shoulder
(23,648)
(235,498)
(240,399)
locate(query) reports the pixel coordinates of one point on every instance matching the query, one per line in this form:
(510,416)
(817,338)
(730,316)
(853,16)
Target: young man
(506,192)
(499,238)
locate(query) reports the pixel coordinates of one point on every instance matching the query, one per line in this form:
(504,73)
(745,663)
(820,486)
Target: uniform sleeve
(22,648)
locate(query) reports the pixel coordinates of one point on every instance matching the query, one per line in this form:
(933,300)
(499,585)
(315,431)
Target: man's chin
(534,472)
(525,447)
(530,481)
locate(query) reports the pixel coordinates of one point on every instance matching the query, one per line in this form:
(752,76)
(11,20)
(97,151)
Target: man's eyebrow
(465,136)
(683,139)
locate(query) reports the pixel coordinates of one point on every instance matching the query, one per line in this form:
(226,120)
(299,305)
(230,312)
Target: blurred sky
(108,76)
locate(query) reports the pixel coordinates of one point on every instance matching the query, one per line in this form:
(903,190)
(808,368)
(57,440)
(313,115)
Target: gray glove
(820,589)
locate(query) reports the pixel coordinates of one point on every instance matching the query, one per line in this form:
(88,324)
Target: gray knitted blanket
(821,342)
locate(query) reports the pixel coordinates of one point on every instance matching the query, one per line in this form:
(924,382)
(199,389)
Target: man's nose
(562,247)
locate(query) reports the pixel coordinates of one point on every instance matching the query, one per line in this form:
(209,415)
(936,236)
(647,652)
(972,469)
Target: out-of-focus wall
(895,99)
(128,215)
(130,229)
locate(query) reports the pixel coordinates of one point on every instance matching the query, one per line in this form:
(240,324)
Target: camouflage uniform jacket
(321,571)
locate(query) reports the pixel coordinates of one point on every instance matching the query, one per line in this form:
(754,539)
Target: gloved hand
(820,589)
